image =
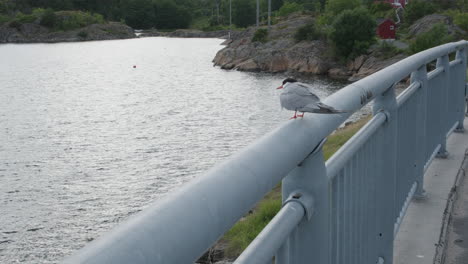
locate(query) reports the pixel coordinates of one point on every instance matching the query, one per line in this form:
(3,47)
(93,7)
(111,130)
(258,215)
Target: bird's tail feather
(326,109)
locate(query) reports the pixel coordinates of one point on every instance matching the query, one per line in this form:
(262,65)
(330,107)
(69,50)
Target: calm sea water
(86,140)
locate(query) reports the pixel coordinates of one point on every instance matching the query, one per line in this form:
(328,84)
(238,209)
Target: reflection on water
(87,140)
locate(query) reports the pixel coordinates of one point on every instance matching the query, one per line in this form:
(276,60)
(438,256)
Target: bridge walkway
(436,227)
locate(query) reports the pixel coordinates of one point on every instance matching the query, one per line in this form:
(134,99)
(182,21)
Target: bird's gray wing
(304,90)
(298,98)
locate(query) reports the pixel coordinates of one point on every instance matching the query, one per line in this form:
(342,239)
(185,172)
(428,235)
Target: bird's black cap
(289,80)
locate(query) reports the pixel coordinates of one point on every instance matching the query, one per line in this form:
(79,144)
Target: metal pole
(420,76)
(258,13)
(444,63)
(311,240)
(230,18)
(269,14)
(461,55)
(386,181)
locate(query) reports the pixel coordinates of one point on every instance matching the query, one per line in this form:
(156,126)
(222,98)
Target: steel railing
(345,210)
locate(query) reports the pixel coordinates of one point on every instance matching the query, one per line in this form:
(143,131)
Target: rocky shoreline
(34,33)
(186,33)
(282,54)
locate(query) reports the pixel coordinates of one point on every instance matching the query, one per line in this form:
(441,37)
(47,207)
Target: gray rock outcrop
(280,53)
(34,33)
(426,23)
(186,33)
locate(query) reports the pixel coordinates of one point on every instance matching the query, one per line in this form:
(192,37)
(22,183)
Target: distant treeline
(200,14)
(161,14)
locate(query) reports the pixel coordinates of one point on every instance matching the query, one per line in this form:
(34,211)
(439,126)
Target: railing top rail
(205,208)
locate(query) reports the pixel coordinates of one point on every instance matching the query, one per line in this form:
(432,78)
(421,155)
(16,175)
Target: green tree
(139,13)
(168,15)
(436,36)
(276,4)
(49,19)
(243,13)
(353,32)
(335,7)
(289,7)
(417,9)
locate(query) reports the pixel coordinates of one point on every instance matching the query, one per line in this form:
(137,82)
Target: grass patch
(245,230)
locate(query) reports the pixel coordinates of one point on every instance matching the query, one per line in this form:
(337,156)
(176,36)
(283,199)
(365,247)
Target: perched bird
(297,96)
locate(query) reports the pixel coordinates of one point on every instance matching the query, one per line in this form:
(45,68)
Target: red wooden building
(386,29)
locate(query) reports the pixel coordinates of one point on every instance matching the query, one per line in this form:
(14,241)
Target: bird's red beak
(281,87)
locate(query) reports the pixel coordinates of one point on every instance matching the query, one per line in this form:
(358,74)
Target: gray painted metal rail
(357,197)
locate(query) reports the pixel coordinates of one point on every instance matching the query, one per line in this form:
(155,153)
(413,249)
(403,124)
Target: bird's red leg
(303,113)
(295,115)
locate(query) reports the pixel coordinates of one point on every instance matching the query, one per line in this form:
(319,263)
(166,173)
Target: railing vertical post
(421,76)
(444,63)
(461,55)
(310,243)
(386,181)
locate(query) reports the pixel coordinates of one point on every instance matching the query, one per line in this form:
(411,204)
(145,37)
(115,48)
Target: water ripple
(87,141)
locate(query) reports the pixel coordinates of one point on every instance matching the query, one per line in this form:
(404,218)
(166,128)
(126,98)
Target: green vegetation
(3,19)
(307,32)
(382,10)
(261,35)
(417,9)
(459,18)
(436,36)
(245,230)
(23,18)
(69,20)
(335,7)
(48,19)
(82,34)
(243,13)
(289,8)
(353,32)
(386,50)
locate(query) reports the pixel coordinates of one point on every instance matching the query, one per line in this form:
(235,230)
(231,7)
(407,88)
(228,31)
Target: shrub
(261,35)
(289,8)
(380,9)
(82,34)
(417,9)
(48,19)
(307,32)
(15,24)
(353,32)
(459,18)
(22,18)
(38,12)
(3,19)
(387,50)
(436,36)
(335,7)
(69,20)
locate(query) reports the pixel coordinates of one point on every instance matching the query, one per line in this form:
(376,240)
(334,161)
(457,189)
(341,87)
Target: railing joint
(315,150)
(386,113)
(304,199)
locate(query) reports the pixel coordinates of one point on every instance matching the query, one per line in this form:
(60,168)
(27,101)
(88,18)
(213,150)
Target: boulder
(248,65)
(339,73)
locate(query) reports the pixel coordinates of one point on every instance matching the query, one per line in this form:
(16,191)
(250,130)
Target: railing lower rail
(359,196)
